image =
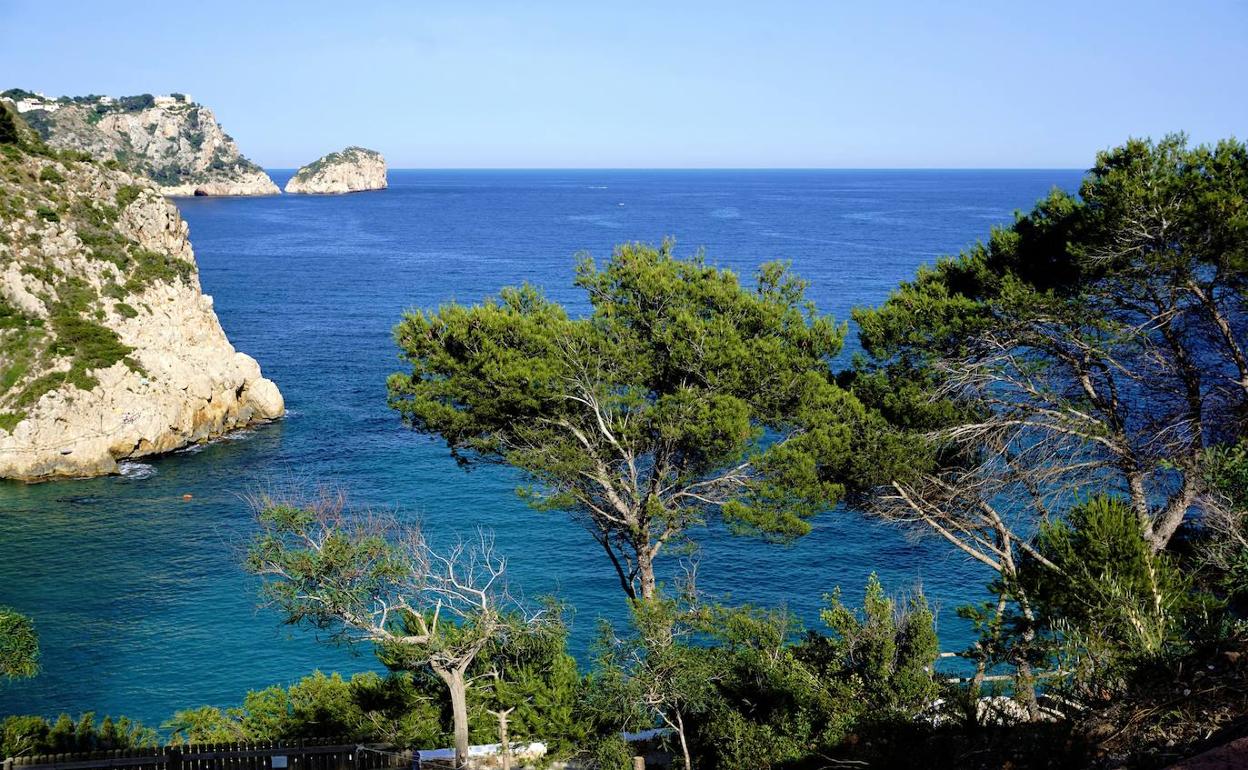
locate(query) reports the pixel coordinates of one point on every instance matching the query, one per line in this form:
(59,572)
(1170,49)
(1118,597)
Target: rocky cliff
(171,140)
(351,170)
(108,349)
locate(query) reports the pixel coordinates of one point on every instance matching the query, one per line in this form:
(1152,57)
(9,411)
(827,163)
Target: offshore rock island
(171,140)
(353,169)
(108,348)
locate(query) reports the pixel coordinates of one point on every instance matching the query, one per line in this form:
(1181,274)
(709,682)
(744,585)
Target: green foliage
(654,675)
(11,317)
(1226,472)
(370,579)
(22,736)
(313,168)
(366,708)
(47,214)
(19,645)
(35,389)
(50,174)
(750,689)
(127,194)
(8,127)
(886,652)
(530,672)
(611,752)
(90,345)
(1109,601)
(153,267)
(1048,326)
(1224,549)
(135,103)
(684,395)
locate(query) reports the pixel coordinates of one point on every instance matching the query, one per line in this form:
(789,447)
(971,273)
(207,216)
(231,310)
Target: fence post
(173,758)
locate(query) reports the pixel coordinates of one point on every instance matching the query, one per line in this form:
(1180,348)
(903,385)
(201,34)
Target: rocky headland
(353,169)
(108,348)
(171,140)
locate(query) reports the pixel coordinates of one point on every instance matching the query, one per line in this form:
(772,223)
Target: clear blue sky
(659,84)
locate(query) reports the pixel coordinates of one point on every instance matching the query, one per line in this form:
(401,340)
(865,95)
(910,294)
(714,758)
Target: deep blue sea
(140,602)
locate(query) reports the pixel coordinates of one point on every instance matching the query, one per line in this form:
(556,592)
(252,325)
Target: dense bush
(30,735)
(8,127)
(744,687)
(136,103)
(367,707)
(533,675)
(19,644)
(1108,582)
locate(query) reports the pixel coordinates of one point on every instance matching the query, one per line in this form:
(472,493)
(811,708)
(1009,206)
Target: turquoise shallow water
(138,596)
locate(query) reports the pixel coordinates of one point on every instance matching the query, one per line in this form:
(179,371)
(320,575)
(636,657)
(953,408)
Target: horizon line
(714,168)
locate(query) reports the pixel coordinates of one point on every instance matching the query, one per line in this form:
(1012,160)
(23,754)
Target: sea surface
(141,605)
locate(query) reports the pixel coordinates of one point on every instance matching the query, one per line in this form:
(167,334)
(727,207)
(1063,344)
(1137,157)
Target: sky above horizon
(659,84)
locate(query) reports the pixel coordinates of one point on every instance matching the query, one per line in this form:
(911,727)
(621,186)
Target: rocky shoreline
(109,350)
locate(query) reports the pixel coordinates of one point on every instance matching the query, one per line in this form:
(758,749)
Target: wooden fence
(310,754)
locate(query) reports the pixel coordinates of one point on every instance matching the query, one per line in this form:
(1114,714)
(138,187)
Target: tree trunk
(1026,680)
(504,742)
(684,746)
(645,572)
(455,685)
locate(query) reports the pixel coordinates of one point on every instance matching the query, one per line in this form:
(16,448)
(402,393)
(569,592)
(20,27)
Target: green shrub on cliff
(8,127)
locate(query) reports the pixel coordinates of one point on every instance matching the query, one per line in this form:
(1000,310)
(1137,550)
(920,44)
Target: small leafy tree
(887,650)
(746,687)
(1112,602)
(368,578)
(683,395)
(528,687)
(653,674)
(19,645)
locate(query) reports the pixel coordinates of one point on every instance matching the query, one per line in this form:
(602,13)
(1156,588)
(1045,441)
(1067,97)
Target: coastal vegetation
(1063,404)
(56,186)
(19,645)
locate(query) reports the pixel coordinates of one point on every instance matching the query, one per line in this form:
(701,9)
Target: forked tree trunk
(455,685)
(504,742)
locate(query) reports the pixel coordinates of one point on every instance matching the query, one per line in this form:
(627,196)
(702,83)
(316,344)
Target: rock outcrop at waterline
(353,169)
(108,348)
(169,139)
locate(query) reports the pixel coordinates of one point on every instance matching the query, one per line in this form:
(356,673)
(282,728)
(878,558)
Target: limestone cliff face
(350,170)
(108,348)
(169,139)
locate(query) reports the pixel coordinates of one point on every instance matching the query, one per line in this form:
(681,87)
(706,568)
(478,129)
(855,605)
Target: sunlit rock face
(353,169)
(173,141)
(108,348)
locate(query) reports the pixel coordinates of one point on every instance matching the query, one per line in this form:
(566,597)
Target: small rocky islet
(352,169)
